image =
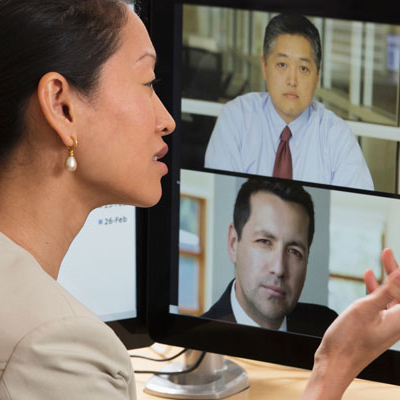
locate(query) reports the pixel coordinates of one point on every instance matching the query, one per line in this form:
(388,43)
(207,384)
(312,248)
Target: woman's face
(120,130)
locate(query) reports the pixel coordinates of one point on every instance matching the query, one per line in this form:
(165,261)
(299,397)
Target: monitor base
(215,378)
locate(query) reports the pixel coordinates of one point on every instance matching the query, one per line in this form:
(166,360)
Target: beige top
(51,346)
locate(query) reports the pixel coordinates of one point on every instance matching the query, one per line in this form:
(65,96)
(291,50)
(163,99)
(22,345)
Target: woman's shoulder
(33,297)
(50,341)
(69,357)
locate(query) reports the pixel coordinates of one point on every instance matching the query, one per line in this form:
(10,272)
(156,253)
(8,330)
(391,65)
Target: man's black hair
(284,24)
(287,191)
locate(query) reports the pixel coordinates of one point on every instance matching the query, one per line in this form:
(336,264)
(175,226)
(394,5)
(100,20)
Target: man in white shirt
(249,132)
(269,242)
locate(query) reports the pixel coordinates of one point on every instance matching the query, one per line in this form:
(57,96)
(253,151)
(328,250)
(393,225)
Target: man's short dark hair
(287,191)
(284,24)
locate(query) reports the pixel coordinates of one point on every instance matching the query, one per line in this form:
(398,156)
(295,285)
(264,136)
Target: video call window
(351,229)
(359,80)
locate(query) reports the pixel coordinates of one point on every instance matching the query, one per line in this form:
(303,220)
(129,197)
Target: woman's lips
(162,166)
(161,153)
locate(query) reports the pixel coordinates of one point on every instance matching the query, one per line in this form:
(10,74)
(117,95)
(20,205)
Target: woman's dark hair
(287,191)
(284,24)
(72,37)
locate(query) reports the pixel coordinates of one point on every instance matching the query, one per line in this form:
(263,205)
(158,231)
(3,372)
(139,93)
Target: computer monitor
(105,269)
(209,53)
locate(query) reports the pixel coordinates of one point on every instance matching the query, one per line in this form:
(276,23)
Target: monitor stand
(215,378)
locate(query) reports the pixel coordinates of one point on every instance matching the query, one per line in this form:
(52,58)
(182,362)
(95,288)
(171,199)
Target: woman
(75,84)
(80,127)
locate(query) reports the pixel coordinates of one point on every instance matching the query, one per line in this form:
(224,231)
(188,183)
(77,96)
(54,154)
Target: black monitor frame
(165,27)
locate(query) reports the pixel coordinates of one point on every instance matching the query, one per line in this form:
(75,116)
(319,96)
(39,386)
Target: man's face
(271,258)
(291,75)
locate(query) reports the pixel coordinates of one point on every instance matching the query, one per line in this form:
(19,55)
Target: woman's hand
(360,334)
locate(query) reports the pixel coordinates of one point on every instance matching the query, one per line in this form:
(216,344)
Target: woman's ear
(56,99)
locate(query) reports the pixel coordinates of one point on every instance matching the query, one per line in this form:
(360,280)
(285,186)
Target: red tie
(283,161)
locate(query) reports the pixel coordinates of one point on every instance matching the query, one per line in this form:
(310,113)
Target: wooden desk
(268,381)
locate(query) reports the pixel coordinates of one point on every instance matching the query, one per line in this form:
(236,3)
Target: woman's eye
(281,65)
(303,69)
(152,83)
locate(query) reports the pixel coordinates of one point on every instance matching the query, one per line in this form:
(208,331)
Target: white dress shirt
(323,148)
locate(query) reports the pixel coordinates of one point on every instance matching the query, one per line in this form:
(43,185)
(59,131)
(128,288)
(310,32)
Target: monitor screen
(210,277)
(254,232)
(100,266)
(347,136)
(105,269)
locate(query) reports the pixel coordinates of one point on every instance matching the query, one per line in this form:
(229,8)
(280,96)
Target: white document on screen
(100,266)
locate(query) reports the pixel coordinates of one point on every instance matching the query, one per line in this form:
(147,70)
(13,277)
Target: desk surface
(267,381)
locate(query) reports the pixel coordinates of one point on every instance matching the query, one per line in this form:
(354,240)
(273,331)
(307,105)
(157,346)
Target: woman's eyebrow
(147,54)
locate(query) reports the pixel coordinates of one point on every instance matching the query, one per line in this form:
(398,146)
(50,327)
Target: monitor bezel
(165,27)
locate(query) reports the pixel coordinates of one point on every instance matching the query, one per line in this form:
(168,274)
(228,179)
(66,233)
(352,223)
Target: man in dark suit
(269,242)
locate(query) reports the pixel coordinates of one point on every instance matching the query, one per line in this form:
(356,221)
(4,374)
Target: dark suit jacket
(307,319)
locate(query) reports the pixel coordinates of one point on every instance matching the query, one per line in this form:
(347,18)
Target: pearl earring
(71,162)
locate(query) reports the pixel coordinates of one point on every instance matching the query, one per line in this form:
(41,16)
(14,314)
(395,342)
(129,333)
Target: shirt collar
(240,315)
(296,126)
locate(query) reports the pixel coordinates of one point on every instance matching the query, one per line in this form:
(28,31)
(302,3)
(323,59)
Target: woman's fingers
(370,281)
(388,261)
